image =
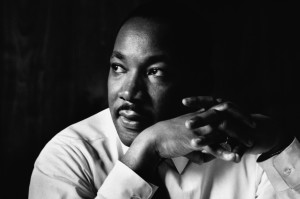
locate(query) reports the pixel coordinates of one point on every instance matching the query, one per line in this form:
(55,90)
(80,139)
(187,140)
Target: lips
(130,114)
(132,120)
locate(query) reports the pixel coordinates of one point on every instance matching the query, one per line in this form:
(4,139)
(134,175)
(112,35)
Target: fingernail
(237,158)
(228,156)
(186,101)
(189,124)
(195,123)
(196,142)
(204,151)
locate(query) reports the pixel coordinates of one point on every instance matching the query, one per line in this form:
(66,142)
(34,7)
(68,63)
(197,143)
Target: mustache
(127,106)
(134,107)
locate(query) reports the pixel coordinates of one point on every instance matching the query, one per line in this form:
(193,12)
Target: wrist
(142,158)
(277,149)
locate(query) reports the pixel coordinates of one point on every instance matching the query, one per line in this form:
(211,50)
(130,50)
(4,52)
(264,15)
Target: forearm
(142,157)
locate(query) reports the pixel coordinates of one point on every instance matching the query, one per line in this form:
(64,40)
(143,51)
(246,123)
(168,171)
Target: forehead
(140,32)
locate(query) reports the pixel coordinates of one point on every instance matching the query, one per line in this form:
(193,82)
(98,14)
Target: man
(203,148)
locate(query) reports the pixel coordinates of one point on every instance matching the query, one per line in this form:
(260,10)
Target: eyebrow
(117,54)
(150,60)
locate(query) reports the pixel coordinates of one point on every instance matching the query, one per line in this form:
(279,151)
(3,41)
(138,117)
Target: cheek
(112,89)
(159,93)
(165,102)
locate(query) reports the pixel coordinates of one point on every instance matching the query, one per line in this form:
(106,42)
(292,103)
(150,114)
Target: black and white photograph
(150,99)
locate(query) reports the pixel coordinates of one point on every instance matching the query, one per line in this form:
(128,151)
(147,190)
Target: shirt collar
(180,163)
(124,147)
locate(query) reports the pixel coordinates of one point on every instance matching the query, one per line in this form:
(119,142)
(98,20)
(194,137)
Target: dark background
(55,62)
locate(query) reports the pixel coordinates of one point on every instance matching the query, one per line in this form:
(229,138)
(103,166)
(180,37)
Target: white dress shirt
(82,161)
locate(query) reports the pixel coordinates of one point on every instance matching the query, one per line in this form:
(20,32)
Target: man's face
(142,79)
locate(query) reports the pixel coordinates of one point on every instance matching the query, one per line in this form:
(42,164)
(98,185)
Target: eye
(117,68)
(156,72)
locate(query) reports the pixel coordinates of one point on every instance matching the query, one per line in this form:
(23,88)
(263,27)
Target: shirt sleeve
(283,171)
(63,171)
(130,185)
(60,174)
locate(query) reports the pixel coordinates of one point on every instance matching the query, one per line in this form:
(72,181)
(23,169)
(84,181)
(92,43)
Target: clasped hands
(199,136)
(202,135)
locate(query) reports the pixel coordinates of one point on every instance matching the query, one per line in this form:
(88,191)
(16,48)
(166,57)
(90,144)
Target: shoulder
(79,147)
(98,126)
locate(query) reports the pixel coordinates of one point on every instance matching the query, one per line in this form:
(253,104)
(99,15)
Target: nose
(133,88)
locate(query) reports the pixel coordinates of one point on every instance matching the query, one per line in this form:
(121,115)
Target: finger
(199,157)
(211,135)
(239,150)
(228,109)
(201,101)
(237,131)
(220,153)
(204,118)
(214,137)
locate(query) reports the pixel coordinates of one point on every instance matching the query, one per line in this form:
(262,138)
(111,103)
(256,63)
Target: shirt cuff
(122,182)
(283,170)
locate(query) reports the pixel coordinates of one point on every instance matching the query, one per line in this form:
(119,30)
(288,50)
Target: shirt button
(287,171)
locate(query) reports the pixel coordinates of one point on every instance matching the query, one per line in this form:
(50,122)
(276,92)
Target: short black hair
(190,37)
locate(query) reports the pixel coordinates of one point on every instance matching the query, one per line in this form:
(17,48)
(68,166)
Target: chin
(127,137)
